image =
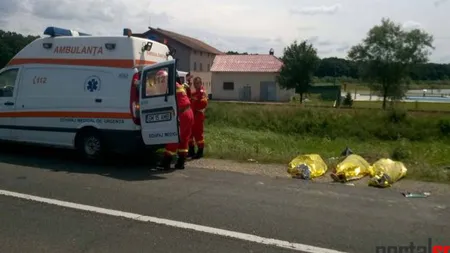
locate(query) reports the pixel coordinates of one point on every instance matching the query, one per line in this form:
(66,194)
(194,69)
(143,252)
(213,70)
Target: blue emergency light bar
(56,31)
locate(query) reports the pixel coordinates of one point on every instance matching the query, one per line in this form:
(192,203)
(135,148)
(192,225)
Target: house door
(247,93)
(268,91)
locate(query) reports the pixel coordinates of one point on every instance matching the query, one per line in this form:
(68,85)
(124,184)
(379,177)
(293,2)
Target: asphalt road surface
(203,210)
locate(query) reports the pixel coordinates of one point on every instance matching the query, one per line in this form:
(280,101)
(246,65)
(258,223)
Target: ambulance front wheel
(90,145)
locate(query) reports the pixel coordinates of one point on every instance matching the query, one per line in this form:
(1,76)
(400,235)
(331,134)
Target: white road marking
(176,224)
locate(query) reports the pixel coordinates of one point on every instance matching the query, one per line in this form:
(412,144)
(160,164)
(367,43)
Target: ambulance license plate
(158,117)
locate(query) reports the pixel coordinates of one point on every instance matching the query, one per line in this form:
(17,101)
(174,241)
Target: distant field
(364,87)
(410,106)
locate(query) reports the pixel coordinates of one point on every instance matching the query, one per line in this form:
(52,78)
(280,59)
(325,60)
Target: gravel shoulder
(279,171)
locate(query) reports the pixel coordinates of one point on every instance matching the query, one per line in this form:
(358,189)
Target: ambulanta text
(92,50)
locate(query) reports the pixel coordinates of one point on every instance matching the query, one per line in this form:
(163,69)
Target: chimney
(271,52)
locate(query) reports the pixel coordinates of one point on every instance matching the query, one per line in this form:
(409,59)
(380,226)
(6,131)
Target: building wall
(201,63)
(240,81)
(183,53)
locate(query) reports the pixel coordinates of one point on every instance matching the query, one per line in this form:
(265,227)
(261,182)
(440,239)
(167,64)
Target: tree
(387,54)
(10,44)
(300,61)
(236,53)
(348,100)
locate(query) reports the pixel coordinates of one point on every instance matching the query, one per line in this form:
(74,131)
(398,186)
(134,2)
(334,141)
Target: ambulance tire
(90,145)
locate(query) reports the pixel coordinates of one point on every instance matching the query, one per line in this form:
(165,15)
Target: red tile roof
(188,41)
(246,63)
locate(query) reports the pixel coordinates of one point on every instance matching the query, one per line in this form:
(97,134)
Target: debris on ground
(252,160)
(347,151)
(353,167)
(385,172)
(416,195)
(307,167)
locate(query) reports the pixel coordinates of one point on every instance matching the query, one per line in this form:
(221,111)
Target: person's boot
(165,163)
(191,152)
(180,163)
(199,153)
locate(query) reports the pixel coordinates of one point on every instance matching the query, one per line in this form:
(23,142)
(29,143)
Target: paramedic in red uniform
(187,85)
(199,102)
(186,121)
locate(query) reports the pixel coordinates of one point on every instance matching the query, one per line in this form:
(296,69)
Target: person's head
(161,79)
(188,77)
(178,78)
(197,82)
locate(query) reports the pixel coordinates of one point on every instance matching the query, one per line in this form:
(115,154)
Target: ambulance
(95,94)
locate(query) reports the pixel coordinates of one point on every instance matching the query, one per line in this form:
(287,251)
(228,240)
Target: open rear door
(159,120)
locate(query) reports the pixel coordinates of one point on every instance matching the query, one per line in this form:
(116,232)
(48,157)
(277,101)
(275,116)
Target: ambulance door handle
(98,100)
(9,103)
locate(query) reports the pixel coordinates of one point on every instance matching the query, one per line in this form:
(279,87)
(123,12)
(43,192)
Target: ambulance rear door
(158,104)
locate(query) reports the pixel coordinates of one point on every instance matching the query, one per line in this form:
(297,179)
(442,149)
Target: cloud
(316,41)
(305,28)
(437,3)
(9,6)
(88,10)
(444,59)
(343,48)
(315,10)
(251,25)
(412,25)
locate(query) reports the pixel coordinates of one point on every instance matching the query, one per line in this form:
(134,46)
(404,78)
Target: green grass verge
(425,161)
(277,133)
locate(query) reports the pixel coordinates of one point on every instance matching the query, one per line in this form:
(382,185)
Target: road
(323,216)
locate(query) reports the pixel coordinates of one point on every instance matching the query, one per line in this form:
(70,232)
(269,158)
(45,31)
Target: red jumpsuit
(186,121)
(188,89)
(199,102)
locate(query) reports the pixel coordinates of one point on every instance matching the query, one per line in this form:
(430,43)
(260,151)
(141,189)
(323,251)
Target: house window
(195,52)
(201,53)
(228,85)
(201,66)
(209,67)
(195,66)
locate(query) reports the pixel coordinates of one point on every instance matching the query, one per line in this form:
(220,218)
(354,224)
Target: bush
(397,115)
(401,153)
(348,100)
(444,126)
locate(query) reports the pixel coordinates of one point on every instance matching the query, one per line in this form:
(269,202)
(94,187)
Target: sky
(252,26)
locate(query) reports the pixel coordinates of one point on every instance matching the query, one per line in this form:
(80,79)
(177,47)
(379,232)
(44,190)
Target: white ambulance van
(90,93)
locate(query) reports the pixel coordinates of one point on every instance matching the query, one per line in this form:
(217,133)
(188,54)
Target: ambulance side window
(156,83)
(8,82)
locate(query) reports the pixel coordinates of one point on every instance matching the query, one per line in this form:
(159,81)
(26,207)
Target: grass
(276,134)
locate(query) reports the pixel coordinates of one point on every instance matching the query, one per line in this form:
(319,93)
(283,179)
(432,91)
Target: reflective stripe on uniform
(170,152)
(183,150)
